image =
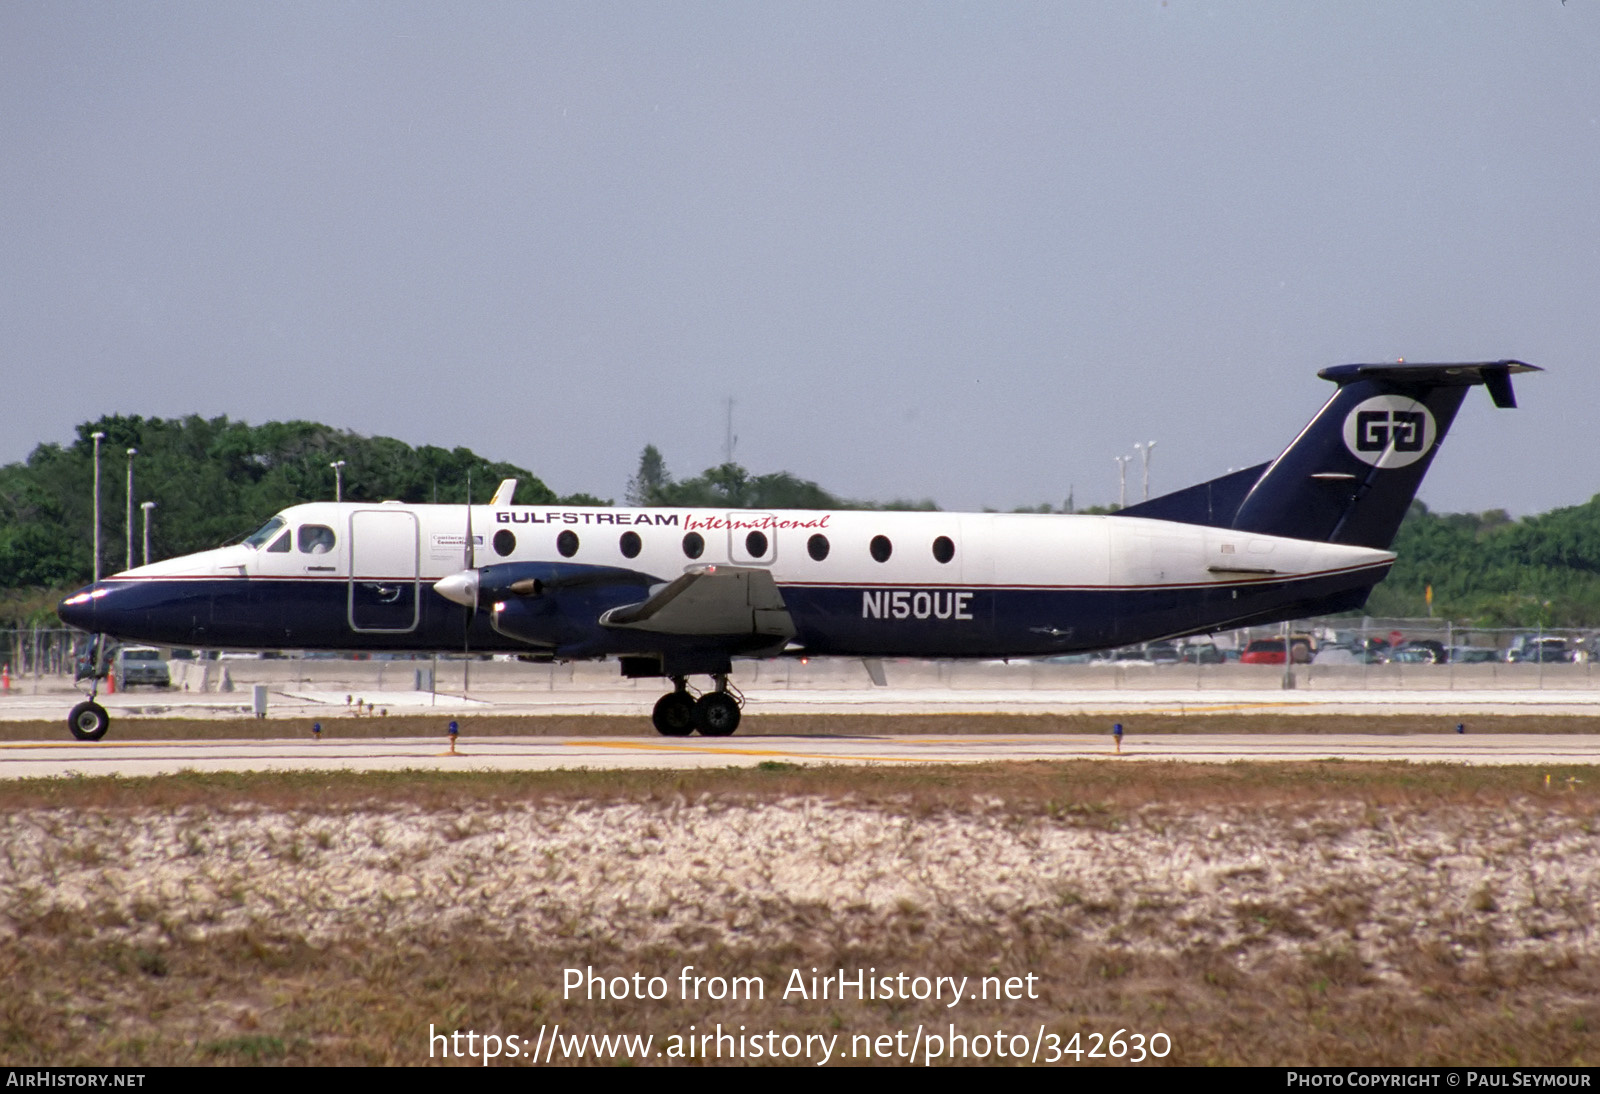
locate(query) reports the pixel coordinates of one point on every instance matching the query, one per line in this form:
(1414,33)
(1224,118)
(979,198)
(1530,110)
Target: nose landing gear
(88,721)
(714,714)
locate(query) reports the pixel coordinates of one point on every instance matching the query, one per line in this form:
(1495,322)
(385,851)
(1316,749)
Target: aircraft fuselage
(886,584)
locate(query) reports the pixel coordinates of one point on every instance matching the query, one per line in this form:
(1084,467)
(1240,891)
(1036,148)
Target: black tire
(674,714)
(716,714)
(88,721)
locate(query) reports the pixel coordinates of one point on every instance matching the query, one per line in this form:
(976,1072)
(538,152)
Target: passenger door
(384,576)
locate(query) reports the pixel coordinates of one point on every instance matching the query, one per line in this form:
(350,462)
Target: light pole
(338,479)
(1122,480)
(147,506)
(132,452)
(1144,450)
(97,437)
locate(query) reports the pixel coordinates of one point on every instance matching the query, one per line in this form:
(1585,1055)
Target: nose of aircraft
(79,609)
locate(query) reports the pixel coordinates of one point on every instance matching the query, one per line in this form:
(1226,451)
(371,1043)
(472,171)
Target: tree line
(212,480)
(1493,571)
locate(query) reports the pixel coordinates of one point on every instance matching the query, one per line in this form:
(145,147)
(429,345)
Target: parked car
(1269,651)
(1203,653)
(1161,653)
(1423,651)
(1546,650)
(142,665)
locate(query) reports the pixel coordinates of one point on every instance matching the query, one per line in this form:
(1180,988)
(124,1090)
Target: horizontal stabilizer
(1494,375)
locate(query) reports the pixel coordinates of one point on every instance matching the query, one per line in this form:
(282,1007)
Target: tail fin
(1350,475)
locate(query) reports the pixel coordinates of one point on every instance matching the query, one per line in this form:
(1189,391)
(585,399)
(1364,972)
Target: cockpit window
(263,535)
(315,539)
(281,544)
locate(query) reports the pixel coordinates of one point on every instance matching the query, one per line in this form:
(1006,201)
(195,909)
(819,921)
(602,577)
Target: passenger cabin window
(315,539)
(504,542)
(943,549)
(567,543)
(881,548)
(693,545)
(631,544)
(280,546)
(817,547)
(756,544)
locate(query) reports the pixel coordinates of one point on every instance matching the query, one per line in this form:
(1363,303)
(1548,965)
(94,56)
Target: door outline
(388,529)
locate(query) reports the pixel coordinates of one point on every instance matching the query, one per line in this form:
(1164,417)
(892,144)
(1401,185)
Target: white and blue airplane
(676,593)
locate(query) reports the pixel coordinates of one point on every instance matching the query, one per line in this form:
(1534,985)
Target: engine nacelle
(556,604)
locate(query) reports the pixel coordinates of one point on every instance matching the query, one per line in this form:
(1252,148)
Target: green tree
(652,479)
(212,480)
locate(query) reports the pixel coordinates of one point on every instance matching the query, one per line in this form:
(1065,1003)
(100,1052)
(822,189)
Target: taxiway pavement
(34,760)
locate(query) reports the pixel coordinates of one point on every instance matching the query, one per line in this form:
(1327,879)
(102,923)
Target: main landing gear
(714,714)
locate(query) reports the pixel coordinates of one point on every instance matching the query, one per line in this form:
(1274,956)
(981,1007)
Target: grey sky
(966,251)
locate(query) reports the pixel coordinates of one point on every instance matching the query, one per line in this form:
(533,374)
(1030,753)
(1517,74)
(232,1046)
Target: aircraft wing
(710,600)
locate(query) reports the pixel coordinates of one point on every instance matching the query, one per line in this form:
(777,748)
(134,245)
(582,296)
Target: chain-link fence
(38,651)
(1330,652)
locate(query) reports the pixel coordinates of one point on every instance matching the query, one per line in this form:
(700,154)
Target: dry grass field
(1324,913)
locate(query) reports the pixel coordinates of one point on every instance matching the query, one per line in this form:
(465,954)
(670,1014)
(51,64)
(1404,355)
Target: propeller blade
(467,547)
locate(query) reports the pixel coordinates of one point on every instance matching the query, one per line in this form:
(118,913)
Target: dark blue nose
(78,610)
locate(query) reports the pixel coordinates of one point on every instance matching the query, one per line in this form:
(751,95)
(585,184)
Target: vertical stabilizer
(1350,475)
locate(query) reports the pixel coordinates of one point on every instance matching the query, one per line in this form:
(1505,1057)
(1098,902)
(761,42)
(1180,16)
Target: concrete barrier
(840,674)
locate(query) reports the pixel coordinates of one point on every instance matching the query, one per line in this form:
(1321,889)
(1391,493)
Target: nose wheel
(714,714)
(88,721)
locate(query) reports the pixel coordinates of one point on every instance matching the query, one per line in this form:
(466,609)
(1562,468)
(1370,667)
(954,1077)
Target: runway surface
(35,760)
(307,705)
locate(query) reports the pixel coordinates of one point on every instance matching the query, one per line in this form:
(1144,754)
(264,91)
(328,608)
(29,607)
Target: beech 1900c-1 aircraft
(681,592)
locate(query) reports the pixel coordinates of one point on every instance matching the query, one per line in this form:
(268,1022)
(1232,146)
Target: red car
(1269,651)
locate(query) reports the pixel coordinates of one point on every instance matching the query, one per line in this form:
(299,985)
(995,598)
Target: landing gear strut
(714,714)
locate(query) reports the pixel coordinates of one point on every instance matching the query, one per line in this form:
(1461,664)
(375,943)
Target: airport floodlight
(132,452)
(97,437)
(1145,450)
(147,506)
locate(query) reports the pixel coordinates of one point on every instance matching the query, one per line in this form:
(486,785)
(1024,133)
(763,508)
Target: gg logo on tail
(1389,431)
